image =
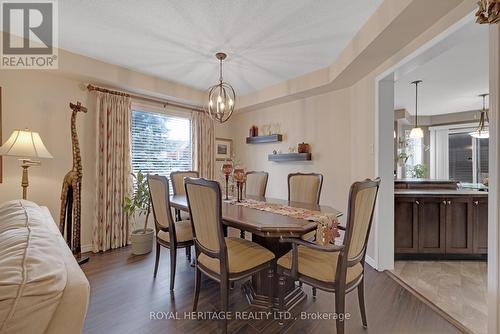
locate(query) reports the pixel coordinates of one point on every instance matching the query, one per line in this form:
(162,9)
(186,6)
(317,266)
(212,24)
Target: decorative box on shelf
(289,157)
(265,139)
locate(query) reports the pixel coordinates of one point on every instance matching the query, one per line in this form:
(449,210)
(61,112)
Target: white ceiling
(453,76)
(267,41)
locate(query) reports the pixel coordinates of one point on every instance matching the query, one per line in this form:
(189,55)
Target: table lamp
(25,145)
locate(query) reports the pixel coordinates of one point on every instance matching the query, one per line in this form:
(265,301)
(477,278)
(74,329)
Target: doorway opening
(432,216)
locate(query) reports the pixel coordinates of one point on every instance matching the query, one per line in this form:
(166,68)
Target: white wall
(40,101)
(323,121)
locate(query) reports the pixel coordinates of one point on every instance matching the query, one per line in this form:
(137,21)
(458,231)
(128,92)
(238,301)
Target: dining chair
(169,234)
(336,268)
(177,179)
(256,183)
(305,188)
(223,259)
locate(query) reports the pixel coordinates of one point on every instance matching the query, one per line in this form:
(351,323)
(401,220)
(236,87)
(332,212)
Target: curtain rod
(164,102)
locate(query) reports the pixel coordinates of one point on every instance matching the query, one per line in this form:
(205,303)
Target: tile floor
(457,287)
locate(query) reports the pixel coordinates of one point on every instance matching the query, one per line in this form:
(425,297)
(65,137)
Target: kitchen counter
(440,192)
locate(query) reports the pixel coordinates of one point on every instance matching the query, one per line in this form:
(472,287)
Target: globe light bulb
(231,102)
(211,104)
(219,99)
(222,106)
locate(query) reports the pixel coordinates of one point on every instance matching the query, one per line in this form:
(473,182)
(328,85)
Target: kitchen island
(440,222)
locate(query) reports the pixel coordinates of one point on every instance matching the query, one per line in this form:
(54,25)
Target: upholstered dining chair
(177,179)
(169,234)
(336,268)
(224,259)
(256,183)
(305,188)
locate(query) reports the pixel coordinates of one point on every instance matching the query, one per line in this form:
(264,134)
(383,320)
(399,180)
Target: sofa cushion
(33,274)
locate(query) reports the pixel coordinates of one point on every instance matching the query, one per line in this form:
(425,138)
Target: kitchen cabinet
(431,224)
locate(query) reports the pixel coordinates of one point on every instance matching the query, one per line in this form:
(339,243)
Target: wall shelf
(265,139)
(289,157)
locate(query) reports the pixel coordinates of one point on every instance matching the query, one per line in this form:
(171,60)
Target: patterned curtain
(203,144)
(111,229)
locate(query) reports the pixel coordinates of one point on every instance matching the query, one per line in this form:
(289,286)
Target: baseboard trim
(371,262)
(429,303)
(86,248)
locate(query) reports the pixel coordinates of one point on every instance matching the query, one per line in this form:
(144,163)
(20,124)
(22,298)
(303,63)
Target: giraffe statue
(71,192)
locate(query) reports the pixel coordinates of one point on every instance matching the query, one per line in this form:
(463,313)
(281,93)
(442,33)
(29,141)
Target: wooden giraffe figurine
(70,217)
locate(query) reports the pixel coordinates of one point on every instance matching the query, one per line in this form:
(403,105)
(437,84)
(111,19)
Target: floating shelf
(265,139)
(289,157)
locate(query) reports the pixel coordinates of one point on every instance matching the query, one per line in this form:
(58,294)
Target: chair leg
(197,283)
(173,258)
(157,261)
(314,292)
(188,253)
(281,295)
(224,291)
(270,277)
(242,234)
(361,301)
(340,310)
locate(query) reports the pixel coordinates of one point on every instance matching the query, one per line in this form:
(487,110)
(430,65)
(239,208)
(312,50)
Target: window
(468,157)
(161,143)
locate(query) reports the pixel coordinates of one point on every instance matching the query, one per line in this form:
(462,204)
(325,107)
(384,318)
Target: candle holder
(227,169)
(239,176)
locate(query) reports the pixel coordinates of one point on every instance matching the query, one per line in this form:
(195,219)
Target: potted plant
(137,206)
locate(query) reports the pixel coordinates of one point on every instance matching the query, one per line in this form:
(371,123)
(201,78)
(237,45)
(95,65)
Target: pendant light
(482,130)
(221,96)
(416,132)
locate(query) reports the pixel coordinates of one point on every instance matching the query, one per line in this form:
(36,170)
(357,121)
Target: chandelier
(482,130)
(221,96)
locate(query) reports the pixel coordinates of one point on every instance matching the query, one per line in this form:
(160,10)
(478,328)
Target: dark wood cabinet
(480,225)
(458,226)
(406,229)
(431,225)
(441,226)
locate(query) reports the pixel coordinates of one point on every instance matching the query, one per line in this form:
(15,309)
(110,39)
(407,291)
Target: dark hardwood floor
(123,293)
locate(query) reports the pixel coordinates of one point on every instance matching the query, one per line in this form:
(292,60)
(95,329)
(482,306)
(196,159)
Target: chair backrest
(362,198)
(205,207)
(256,183)
(160,202)
(177,179)
(305,187)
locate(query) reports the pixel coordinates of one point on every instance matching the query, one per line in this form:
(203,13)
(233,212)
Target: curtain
(111,229)
(203,144)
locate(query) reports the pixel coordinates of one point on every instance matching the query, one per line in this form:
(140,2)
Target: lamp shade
(416,133)
(480,134)
(25,144)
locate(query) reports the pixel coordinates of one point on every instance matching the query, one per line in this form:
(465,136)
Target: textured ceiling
(452,79)
(267,41)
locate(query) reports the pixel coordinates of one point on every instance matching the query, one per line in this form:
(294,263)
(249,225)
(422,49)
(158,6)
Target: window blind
(161,143)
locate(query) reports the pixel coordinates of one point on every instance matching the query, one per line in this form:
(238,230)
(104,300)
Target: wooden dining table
(266,228)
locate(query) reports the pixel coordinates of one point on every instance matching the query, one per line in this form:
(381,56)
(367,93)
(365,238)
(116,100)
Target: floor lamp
(25,145)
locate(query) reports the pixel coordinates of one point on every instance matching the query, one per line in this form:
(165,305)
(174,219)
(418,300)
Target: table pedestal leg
(257,290)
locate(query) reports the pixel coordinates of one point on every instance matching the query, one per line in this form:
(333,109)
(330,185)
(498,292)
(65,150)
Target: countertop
(440,192)
(423,181)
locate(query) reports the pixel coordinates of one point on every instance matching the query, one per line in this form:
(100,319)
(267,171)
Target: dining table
(266,228)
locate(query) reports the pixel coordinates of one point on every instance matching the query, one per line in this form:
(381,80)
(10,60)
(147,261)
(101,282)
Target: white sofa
(42,288)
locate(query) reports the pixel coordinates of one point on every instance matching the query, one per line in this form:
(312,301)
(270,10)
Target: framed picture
(223,149)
